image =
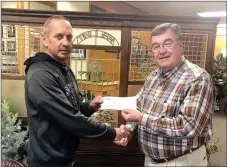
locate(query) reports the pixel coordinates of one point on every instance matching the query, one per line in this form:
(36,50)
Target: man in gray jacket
(57,117)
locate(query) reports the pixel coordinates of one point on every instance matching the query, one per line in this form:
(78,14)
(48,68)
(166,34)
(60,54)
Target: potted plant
(212,147)
(219,76)
(13,138)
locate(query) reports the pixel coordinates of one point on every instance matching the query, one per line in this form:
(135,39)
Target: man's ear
(44,39)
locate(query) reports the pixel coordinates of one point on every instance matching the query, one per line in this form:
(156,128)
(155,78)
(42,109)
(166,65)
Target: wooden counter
(98,88)
(105,153)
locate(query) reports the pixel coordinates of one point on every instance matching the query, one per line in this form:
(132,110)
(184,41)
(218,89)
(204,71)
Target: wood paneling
(124,67)
(210,51)
(21,49)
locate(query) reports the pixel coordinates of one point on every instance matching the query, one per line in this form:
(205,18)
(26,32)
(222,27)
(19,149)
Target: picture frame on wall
(78,54)
(11,45)
(11,31)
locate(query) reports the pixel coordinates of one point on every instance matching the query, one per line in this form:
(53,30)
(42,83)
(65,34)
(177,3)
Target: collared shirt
(177,109)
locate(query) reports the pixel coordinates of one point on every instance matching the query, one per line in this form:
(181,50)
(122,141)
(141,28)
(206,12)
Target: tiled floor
(219,130)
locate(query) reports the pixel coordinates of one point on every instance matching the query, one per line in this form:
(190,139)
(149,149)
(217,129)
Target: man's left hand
(95,104)
(132,115)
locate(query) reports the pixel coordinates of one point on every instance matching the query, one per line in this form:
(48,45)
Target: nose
(65,41)
(162,49)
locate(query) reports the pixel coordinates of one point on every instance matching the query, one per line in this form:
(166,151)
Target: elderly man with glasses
(174,115)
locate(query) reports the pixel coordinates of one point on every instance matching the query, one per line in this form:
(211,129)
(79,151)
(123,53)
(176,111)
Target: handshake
(123,136)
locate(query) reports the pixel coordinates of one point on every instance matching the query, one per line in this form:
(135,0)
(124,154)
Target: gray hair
(160,29)
(48,21)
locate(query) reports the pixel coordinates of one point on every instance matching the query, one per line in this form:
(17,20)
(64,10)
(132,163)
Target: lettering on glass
(96,34)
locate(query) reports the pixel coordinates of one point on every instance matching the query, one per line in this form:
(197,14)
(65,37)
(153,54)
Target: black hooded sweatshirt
(57,117)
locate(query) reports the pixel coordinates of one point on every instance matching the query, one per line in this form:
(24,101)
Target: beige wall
(30,5)
(13,91)
(9,4)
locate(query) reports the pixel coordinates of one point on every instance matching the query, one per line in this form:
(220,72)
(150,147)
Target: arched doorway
(95,60)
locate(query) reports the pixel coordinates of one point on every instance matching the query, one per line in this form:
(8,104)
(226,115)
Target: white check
(118,103)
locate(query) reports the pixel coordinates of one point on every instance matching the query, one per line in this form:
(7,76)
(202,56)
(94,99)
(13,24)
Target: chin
(165,67)
(63,57)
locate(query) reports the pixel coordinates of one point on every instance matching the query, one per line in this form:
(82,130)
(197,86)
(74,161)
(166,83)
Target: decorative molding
(136,21)
(96,34)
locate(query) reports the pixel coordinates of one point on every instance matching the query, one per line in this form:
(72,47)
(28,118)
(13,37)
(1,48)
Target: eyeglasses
(167,44)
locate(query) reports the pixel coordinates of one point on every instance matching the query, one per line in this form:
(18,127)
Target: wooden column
(20,43)
(21,49)
(124,66)
(20,5)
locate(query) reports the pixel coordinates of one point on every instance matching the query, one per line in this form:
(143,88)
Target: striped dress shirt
(177,111)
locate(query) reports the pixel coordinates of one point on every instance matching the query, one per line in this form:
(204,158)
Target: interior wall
(27,5)
(9,5)
(13,91)
(117,7)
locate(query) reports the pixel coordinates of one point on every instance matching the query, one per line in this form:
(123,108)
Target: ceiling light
(212,14)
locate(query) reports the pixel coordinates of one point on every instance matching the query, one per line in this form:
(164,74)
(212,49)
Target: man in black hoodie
(57,117)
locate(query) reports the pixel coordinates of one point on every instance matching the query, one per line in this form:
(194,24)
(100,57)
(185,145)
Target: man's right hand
(123,136)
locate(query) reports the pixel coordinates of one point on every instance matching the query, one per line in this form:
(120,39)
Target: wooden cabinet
(105,153)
